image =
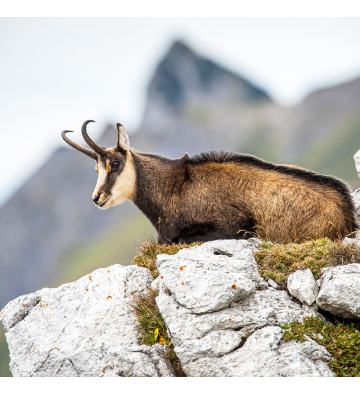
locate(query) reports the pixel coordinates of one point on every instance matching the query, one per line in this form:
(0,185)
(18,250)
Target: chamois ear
(123,138)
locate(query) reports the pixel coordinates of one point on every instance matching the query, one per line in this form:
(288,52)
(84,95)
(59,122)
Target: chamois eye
(115,164)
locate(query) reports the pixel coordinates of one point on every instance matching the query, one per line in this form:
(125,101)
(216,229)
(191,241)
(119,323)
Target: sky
(57,72)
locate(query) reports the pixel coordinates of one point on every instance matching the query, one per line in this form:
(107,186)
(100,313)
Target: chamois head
(116,180)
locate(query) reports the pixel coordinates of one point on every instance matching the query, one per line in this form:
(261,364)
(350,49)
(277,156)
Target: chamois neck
(157,180)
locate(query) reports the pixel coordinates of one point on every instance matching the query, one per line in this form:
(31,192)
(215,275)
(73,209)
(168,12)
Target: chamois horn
(99,150)
(84,150)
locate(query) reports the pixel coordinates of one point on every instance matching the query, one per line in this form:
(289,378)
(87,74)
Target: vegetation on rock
(278,261)
(152,328)
(147,252)
(341,341)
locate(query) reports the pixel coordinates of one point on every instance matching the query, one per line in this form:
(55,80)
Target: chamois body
(230,196)
(221,195)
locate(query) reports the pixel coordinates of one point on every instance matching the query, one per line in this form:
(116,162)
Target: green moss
(278,261)
(342,342)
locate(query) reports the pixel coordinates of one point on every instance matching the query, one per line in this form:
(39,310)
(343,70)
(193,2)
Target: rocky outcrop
(265,355)
(302,285)
(356,199)
(221,316)
(84,328)
(209,321)
(340,291)
(212,276)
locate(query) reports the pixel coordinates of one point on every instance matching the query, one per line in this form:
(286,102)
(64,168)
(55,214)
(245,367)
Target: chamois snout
(100,199)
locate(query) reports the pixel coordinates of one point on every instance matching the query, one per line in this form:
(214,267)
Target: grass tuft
(278,261)
(152,328)
(341,341)
(147,252)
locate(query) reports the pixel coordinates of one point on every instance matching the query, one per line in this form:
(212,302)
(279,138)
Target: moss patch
(147,252)
(341,341)
(278,261)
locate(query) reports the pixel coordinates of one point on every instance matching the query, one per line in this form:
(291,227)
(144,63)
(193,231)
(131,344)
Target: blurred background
(286,90)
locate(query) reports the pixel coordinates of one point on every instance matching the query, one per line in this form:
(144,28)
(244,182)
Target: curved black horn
(99,150)
(84,150)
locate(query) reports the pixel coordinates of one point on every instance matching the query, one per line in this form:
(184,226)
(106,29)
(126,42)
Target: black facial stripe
(115,172)
(109,182)
(111,178)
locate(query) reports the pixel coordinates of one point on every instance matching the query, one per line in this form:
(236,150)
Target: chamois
(220,195)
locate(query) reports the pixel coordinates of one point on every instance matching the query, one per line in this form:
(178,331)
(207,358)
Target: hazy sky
(55,73)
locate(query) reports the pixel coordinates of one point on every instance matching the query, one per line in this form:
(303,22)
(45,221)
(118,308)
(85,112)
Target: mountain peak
(184,78)
(179,47)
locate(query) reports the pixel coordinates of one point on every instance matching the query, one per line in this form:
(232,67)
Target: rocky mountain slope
(50,231)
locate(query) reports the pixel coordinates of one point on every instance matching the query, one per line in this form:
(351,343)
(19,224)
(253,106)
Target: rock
(155,285)
(340,291)
(267,307)
(313,310)
(209,341)
(354,241)
(255,242)
(220,315)
(357,162)
(211,276)
(302,285)
(272,283)
(264,354)
(356,200)
(84,328)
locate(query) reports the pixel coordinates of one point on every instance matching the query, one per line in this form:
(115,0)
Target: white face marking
(124,187)
(101,179)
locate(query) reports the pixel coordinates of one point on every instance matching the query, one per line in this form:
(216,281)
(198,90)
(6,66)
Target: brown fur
(189,201)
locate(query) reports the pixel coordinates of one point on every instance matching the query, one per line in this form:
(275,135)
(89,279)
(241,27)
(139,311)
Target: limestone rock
(353,241)
(210,344)
(302,285)
(255,242)
(267,307)
(84,328)
(212,276)
(272,283)
(357,162)
(356,200)
(198,336)
(340,291)
(264,354)
(221,316)
(209,331)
